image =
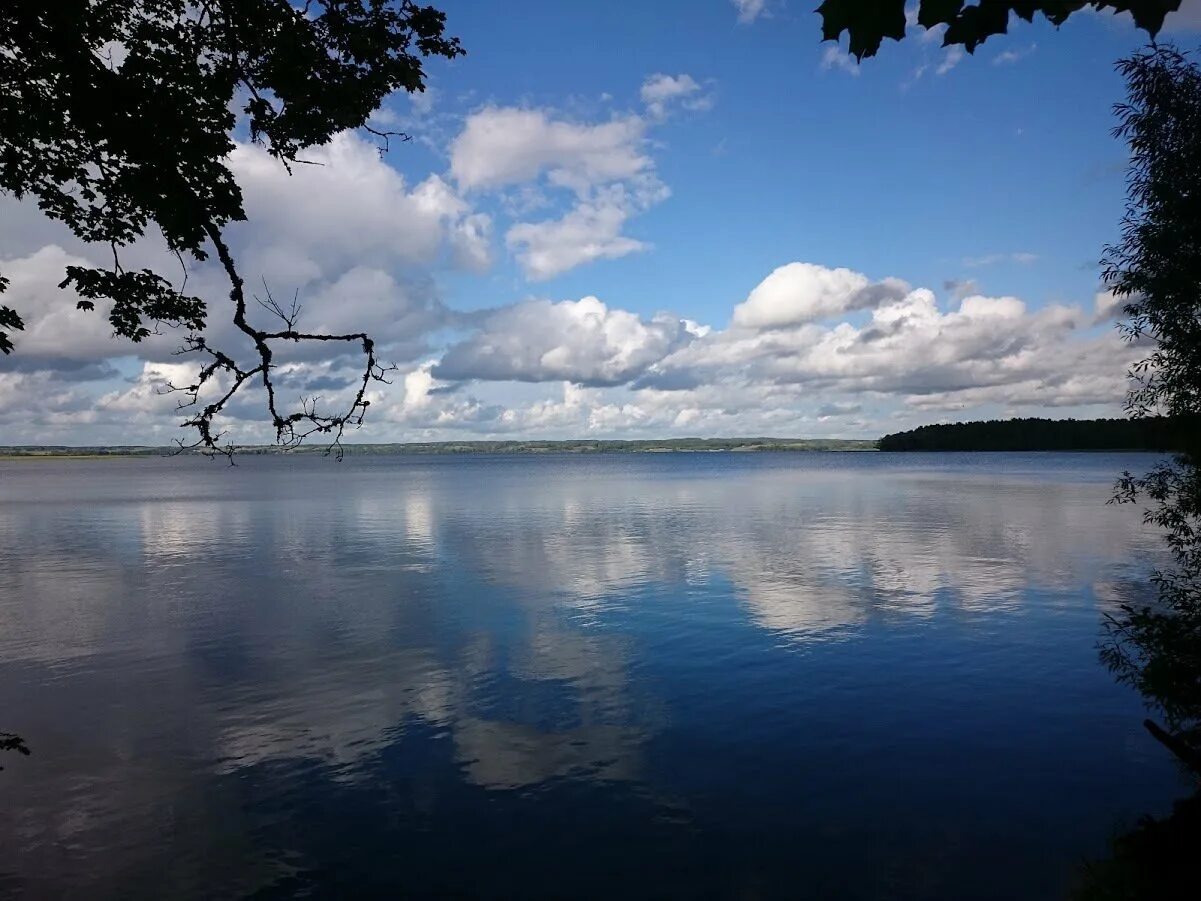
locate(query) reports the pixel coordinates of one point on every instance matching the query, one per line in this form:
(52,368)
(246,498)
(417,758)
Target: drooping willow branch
(291,428)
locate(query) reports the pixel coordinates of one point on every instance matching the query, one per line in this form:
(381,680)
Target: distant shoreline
(455,448)
(1154,434)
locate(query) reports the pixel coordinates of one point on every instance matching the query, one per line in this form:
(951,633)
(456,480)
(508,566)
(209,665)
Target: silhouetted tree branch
(1187,755)
(118,117)
(291,428)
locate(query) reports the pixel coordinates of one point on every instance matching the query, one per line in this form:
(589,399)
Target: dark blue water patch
(437,835)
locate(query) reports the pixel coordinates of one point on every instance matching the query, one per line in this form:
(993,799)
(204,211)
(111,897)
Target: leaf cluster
(119,115)
(1156,267)
(1157,647)
(868,22)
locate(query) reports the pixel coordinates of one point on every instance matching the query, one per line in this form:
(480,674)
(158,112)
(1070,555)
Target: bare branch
(223,376)
(386,137)
(271,305)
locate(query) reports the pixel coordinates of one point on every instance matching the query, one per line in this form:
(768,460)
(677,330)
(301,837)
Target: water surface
(705,675)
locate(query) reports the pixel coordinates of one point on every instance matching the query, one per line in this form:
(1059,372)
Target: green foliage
(1157,268)
(1157,648)
(868,22)
(109,148)
(119,114)
(1157,265)
(9,319)
(137,297)
(1152,433)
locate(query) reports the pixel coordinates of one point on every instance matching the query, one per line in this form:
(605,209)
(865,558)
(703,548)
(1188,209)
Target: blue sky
(594,192)
(878,172)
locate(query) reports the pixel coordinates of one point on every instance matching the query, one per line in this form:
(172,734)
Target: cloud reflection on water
(174,628)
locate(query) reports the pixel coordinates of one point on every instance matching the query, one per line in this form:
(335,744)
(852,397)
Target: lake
(671,675)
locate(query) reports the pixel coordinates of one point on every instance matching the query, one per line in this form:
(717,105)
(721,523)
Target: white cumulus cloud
(591,230)
(582,341)
(603,167)
(501,146)
(659,92)
(803,292)
(352,208)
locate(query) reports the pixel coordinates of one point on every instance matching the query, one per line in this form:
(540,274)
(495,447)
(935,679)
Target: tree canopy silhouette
(1157,265)
(1157,268)
(868,22)
(118,118)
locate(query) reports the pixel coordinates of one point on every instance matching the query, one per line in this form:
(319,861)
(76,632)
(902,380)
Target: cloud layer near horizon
(814,348)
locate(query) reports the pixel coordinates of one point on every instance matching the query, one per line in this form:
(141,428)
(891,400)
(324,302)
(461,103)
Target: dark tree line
(1152,433)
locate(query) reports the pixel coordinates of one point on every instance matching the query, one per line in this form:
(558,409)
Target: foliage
(1157,268)
(119,117)
(9,321)
(1157,649)
(1152,433)
(868,22)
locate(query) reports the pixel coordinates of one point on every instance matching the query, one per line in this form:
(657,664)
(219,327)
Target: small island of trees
(1152,433)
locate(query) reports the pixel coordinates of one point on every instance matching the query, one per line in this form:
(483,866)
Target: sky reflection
(213,666)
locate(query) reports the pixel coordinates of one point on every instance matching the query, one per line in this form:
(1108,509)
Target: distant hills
(577,446)
(589,446)
(1151,433)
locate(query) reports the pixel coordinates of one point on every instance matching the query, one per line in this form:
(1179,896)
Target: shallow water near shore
(671,675)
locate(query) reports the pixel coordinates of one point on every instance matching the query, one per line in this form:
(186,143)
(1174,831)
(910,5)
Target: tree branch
(1183,752)
(291,428)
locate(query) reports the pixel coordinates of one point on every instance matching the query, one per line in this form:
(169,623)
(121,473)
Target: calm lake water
(709,675)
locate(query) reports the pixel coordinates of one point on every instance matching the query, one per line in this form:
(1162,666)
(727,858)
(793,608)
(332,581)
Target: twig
(291,428)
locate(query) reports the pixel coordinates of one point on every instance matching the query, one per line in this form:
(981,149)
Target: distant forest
(1152,434)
